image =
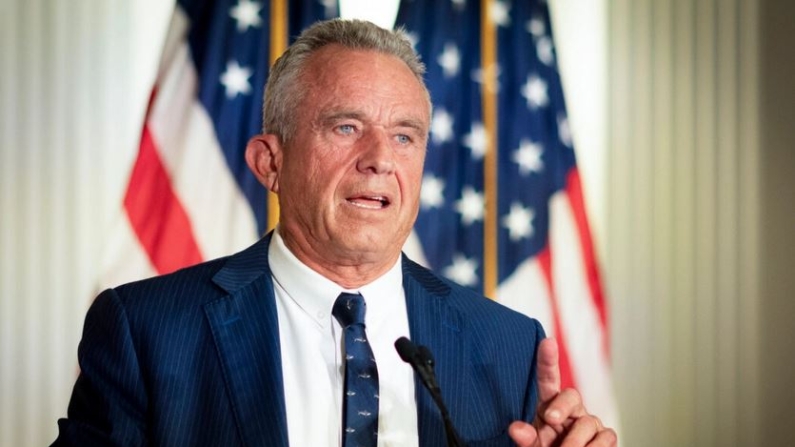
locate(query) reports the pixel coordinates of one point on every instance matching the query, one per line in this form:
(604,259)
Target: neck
(349,270)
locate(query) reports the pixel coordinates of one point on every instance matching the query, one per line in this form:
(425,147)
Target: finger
(523,434)
(605,438)
(567,404)
(583,431)
(548,370)
(549,435)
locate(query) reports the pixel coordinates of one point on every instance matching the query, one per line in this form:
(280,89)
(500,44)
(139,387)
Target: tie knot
(349,309)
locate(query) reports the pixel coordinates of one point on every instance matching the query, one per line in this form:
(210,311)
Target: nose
(376,154)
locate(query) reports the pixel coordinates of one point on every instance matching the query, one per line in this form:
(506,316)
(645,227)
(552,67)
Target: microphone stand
(421,360)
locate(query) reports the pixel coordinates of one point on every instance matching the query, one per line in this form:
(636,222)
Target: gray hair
(285,88)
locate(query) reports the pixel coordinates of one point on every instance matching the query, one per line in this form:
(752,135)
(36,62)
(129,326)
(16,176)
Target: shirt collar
(315,294)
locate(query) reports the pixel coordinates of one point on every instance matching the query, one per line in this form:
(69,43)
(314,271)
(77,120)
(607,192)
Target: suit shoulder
(478,309)
(197,280)
(186,281)
(155,311)
(490,313)
(170,299)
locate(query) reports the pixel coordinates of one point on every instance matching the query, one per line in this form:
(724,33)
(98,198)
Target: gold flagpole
(488,44)
(278,34)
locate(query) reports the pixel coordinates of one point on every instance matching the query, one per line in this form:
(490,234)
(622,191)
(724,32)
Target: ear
(264,158)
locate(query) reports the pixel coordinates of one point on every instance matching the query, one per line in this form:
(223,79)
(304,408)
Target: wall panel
(680,263)
(777,207)
(73,84)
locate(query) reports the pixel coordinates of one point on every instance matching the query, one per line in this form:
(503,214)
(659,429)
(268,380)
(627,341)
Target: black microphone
(421,360)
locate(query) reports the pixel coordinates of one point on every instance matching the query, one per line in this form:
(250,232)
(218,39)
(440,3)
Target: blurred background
(681,114)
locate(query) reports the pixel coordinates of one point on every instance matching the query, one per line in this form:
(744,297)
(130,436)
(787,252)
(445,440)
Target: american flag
(191,197)
(545,264)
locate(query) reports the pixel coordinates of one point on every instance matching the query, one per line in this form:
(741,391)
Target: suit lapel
(245,328)
(437,325)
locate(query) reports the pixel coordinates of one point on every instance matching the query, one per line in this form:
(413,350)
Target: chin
(375,248)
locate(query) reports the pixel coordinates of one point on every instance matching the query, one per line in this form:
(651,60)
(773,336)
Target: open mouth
(370,202)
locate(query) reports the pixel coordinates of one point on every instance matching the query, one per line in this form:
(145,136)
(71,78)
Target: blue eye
(403,139)
(346,129)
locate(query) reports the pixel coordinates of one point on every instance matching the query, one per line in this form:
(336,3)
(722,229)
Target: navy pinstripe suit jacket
(193,359)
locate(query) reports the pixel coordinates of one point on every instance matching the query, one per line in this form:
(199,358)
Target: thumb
(523,434)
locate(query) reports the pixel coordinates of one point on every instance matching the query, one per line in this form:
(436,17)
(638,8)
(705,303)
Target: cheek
(320,186)
(412,179)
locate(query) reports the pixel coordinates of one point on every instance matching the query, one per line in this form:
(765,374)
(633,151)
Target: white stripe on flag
(413,249)
(124,259)
(579,316)
(222,220)
(525,291)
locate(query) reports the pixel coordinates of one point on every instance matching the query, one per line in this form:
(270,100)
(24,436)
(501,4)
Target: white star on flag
(479,74)
(441,126)
(471,206)
(477,140)
(545,52)
(498,13)
(462,270)
(413,38)
(235,79)
(329,8)
(535,91)
(246,13)
(536,27)
(450,60)
(564,132)
(519,222)
(431,193)
(528,157)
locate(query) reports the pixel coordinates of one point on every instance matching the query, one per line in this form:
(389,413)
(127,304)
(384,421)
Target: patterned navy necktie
(360,402)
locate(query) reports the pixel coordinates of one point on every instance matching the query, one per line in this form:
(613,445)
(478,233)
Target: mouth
(369,201)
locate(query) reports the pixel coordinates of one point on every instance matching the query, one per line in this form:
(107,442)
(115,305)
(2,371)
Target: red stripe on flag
(156,214)
(574,193)
(566,375)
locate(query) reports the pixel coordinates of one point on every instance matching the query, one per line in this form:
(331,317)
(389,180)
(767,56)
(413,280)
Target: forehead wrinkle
(322,78)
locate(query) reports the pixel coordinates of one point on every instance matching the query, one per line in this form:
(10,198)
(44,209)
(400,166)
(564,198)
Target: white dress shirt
(311,348)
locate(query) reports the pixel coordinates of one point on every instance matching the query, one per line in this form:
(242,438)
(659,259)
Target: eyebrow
(334,116)
(413,124)
(341,115)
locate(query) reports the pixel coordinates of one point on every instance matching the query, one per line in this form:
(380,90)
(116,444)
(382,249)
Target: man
(256,349)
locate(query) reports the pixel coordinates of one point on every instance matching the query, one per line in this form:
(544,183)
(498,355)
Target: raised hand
(561,419)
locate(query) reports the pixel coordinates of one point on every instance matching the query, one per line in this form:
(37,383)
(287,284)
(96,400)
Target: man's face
(350,176)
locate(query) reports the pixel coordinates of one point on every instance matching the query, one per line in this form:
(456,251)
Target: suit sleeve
(108,403)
